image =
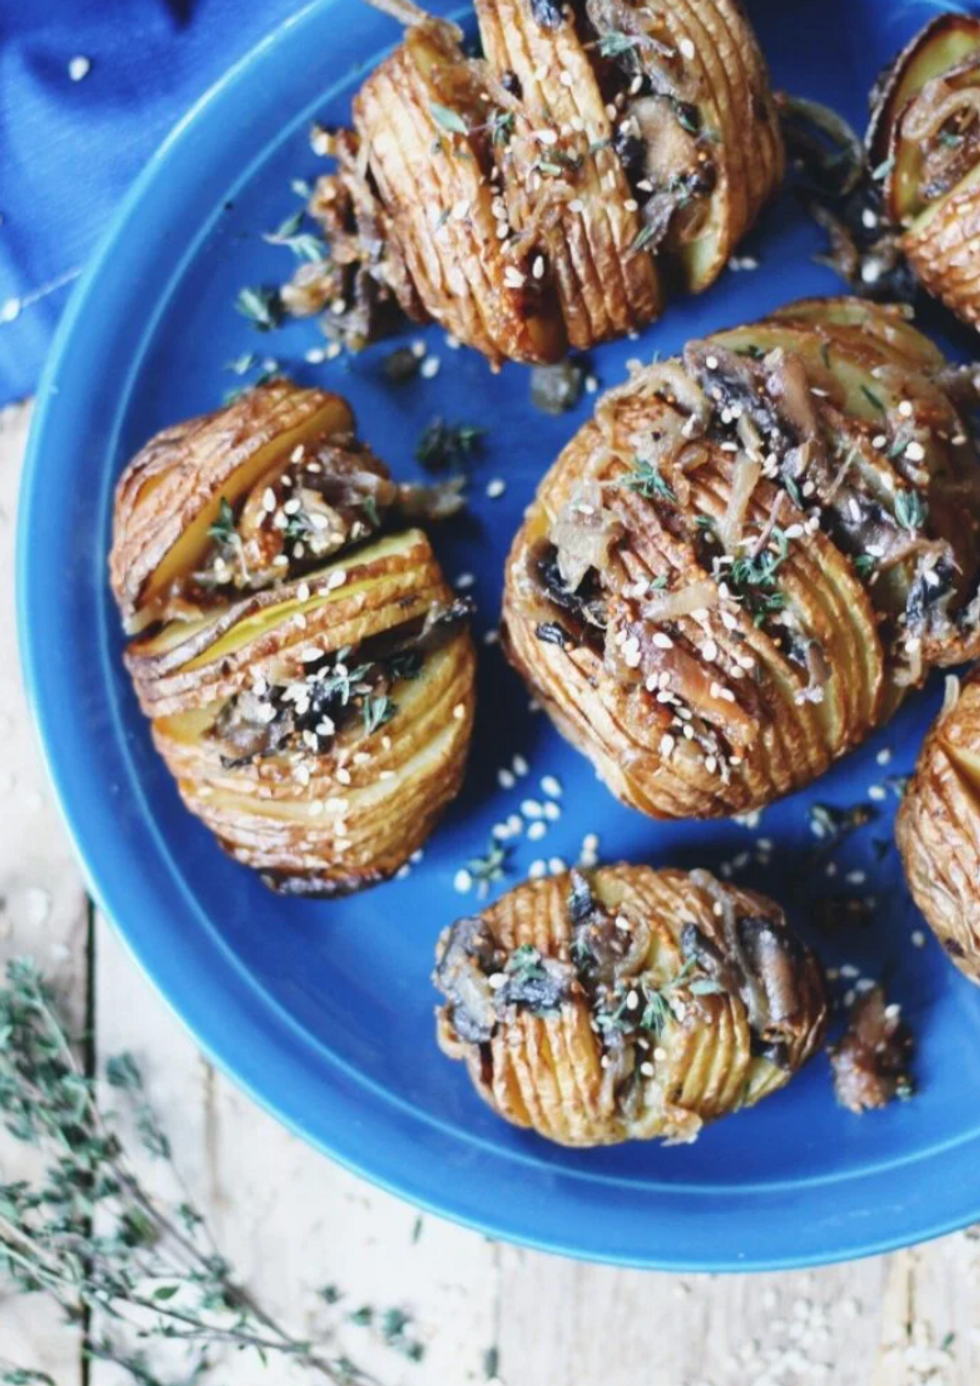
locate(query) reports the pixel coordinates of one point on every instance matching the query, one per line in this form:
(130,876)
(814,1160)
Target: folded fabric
(88,88)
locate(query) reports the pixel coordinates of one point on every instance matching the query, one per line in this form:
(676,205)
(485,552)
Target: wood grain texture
(293,1222)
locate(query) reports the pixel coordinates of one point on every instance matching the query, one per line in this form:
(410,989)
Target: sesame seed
(556,866)
(79,68)
(430,367)
(551,786)
(537,869)
(537,830)
(686,49)
(519,765)
(531,808)
(876,791)
(459,711)
(336,580)
(505,779)
(918,938)
(884,756)
(496,488)
(662,641)
(551,810)
(462,881)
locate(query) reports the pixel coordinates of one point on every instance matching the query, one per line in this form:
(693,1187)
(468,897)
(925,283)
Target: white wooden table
(292,1222)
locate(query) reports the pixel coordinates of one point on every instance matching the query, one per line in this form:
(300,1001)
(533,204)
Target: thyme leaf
(223,528)
(645,480)
(261,305)
(448,119)
(151,1271)
(445,445)
(910,510)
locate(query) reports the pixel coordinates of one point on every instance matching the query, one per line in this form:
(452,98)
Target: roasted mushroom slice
(736,570)
(530,200)
(938,826)
(306,669)
(925,137)
(626,1003)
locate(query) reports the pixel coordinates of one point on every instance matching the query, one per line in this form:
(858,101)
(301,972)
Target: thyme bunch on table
(125,1266)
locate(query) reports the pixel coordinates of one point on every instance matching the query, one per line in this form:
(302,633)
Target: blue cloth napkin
(88,88)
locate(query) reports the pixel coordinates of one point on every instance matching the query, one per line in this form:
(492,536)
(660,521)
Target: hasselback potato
(938,826)
(738,567)
(542,196)
(627,1003)
(924,142)
(307,671)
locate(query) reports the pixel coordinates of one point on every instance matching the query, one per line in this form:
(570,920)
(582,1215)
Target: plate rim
(191,1000)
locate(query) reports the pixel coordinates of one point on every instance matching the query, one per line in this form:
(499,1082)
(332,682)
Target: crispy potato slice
(938,826)
(738,568)
(626,1003)
(317,719)
(925,131)
(530,201)
(171,492)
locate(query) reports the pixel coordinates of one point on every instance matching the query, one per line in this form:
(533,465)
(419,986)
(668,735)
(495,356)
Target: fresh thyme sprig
(87,1233)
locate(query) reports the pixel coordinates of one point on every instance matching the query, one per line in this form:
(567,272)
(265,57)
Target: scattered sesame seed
(531,808)
(686,49)
(496,488)
(537,830)
(883,756)
(462,881)
(79,68)
(876,791)
(429,367)
(505,779)
(459,711)
(556,866)
(336,580)
(519,765)
(537,869)
(551,786)
(918,938)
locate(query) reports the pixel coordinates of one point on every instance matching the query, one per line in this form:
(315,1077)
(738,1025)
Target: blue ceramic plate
(323,1011)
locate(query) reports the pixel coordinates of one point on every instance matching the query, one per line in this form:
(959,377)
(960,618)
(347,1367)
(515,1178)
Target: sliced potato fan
(925,139)
(627,1003)
(735,571)
(541,196)
(938,826)
(307,671)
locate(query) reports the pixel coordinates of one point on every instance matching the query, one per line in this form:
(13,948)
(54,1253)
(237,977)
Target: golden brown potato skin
(313,701)
(938,827)
(925,130)
(530,201)
(755,593)
(567,1063)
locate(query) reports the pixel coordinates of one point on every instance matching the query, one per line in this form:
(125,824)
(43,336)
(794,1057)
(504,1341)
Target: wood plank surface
(292,1222)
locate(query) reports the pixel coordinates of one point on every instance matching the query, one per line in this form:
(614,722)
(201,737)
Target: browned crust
(762,735)
(312,821)
(529,244)
(546,1072)
(941,239)
(938,827)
